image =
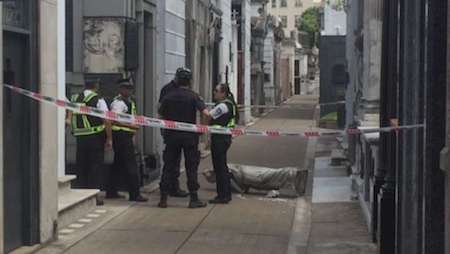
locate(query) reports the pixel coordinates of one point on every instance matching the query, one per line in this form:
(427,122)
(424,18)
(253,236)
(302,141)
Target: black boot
(139,198)
(195,202)
(163,201)
(179,193)
(218,200)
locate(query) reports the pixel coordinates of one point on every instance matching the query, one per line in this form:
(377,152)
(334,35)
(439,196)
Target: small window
(298,3)
(274,3)
(283,3)
(298,21)
(284,21)
(297,68)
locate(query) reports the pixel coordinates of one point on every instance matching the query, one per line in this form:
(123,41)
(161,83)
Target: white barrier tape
(331,103)
(181,126)
(211,104)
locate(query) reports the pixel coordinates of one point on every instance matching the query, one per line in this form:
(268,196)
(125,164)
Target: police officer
(92,135)
(123,144)
(181,105)
(175,190)
(224,114)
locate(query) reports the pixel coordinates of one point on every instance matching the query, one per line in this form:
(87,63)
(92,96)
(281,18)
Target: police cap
(183,73)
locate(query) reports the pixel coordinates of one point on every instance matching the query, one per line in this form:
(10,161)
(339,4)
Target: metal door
(20,124)
(297,86)
(14,48)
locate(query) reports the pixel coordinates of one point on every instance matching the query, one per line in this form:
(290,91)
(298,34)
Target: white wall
(170,47)
(269,88)
(175,32)
(372,51)
(303,65)
(247,56)
(335,22)
(48,42)
(353,60)
(234,66)
(225,6)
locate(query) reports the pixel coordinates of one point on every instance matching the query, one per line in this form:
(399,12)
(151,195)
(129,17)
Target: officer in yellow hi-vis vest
(124,152)
(224,114)
(92,135)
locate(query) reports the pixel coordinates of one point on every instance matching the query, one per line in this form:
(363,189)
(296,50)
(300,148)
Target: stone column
(246,41)
(48,61)
(61,86)
(372,56)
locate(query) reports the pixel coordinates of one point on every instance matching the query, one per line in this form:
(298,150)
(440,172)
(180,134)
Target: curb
(302,221)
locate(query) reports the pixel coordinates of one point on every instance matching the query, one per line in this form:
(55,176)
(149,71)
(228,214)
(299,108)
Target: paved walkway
(337,223)
(249,224)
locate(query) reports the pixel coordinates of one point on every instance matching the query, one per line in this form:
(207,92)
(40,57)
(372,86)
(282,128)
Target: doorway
(20,123)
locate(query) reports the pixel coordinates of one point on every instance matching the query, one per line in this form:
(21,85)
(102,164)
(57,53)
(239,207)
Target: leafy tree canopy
(309,22)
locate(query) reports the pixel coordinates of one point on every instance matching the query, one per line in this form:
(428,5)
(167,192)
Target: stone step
(323,168)
(64,183)
(74,203)
(337,157)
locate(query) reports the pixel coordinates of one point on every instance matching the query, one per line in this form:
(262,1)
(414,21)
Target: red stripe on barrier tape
(158,123)
(237,132)
(170,124)
(61,103)
(111,115)
(273,133)
(37,95)
(312,134)
(353,131)
(85,109)
(139,120)
(202,128)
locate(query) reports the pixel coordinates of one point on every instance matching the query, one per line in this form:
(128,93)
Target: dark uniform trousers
(176,172)
(175,143)
(90,157)
(219,148)
(124,164)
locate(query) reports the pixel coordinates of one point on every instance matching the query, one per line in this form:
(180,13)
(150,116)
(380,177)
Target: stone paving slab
(125,241)
(331,189)
(337,223)
(339,228)
(223,242)
(322,168)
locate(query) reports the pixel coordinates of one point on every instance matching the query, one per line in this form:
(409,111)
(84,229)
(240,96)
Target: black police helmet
(125,83)
(183,74)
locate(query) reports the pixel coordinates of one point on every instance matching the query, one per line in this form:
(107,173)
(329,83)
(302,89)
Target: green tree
(310,23)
